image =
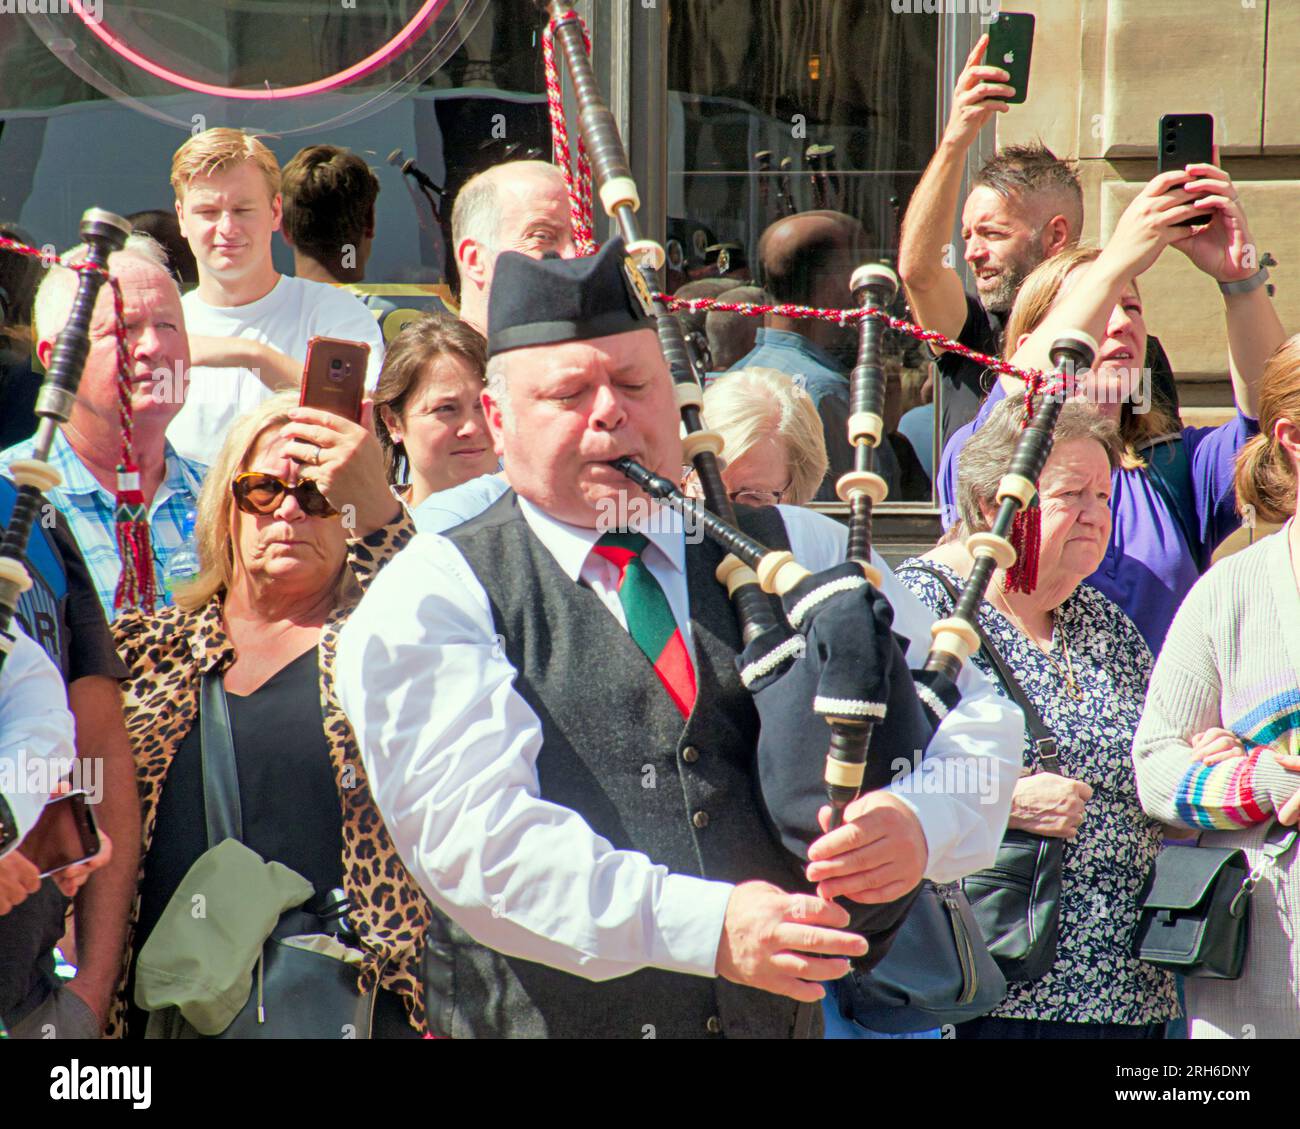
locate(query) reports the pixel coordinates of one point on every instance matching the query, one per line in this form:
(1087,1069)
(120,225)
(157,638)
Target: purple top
(1148,567)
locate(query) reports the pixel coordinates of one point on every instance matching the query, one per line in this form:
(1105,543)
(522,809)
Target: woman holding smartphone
(294,518)
(1166,524)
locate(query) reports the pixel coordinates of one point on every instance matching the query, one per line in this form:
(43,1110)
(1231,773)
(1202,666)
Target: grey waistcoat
(615,750)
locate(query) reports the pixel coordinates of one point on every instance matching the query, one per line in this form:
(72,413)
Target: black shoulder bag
(1193,913)
(1017,901)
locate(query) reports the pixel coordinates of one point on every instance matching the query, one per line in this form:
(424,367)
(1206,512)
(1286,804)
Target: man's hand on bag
(878,855)
(1048,804)
(783,943)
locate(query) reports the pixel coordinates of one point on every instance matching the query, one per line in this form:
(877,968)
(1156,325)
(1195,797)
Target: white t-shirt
(293,312)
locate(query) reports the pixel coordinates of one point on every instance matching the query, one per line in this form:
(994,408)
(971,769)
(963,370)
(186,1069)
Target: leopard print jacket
(167,653)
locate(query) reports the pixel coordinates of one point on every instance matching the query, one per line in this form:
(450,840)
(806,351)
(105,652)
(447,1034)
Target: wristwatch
(1246,285)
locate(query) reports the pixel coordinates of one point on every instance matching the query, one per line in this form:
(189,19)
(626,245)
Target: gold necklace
(1066,673)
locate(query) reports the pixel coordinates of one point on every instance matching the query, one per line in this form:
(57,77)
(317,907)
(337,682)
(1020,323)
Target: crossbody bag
(1193,915)
(298,981)
(1017,901)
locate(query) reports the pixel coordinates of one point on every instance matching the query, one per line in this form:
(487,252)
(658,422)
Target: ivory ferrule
(856,482)
(34,472)
(953,636)
(1017,486)
(844,774)
(646,252)
(988,544)
(689,394)
(866,427)
(693,442)
(13,572)
(778,572)
(735,573)
(619,192)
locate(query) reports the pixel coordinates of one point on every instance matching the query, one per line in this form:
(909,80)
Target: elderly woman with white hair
(774,449)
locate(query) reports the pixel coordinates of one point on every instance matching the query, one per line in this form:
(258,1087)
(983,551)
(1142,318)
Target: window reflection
(798,130)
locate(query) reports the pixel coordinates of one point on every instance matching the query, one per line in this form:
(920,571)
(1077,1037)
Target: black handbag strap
(222,811)
(217,752)
(1043,739)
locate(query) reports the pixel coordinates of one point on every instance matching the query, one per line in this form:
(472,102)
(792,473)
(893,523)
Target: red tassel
(1026,534)
(135,585)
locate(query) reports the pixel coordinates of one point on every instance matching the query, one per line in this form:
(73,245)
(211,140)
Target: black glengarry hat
(549,300)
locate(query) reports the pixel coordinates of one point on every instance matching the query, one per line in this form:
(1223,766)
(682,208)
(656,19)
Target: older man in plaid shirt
(88,447)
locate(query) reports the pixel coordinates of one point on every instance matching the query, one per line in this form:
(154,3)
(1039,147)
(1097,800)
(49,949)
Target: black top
(965,383)
(19,385)
(603,712)
(73,632)
(90,648)
(287,793)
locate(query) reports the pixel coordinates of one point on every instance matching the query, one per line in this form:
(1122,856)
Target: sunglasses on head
(258,493)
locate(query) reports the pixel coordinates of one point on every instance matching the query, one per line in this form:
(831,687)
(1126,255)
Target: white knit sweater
(1232,659)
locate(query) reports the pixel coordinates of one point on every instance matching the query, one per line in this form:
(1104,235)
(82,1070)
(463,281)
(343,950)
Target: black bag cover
(938,971)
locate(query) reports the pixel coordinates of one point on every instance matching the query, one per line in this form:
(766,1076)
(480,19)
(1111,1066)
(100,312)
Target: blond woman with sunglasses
(294,518)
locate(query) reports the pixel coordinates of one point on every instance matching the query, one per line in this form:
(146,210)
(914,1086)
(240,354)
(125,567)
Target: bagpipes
(103,233)
(831,658)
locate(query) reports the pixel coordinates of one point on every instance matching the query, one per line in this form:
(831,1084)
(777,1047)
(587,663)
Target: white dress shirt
(450,749)
(35,725)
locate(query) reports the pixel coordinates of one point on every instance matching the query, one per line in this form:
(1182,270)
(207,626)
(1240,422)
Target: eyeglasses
(690,486)
(759,497)
(257,493)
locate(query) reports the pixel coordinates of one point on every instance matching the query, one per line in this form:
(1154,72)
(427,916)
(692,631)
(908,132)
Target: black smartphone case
(1011,47)
(1184,139)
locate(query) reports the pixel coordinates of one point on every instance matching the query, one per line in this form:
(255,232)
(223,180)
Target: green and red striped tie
(649,617)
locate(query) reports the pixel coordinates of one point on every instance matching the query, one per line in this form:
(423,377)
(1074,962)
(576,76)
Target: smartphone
(64,835)
(334,376)
(1011,46)
(1185,139)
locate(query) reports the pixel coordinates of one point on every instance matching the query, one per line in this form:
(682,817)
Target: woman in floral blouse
(1084,666)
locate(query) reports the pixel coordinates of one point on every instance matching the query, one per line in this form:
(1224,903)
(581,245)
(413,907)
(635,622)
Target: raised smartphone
(1011,47)
(1185,139)
(334,376)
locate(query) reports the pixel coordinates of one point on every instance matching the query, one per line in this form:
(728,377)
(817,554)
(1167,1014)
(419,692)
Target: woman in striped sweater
(1217,746)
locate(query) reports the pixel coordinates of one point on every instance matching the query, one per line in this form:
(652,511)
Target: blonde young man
(249,325)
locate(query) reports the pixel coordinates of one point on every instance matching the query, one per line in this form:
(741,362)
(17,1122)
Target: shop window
(781,108)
